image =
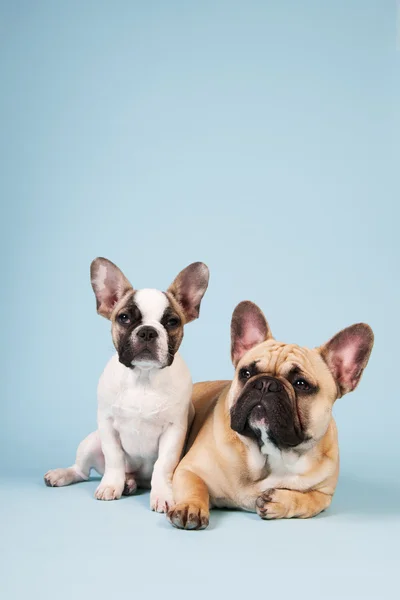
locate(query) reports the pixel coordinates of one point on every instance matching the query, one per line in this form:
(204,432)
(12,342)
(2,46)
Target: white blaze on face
(152,305)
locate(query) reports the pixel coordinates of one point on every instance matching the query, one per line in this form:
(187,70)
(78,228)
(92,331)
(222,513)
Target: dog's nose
(267,384)
(147,334)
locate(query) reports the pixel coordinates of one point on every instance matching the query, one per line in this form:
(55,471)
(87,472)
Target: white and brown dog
(144,393)
(267,441)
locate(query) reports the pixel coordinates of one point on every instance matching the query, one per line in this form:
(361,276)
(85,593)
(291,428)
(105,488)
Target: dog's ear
(188,289)
(249,328)
(347,354)
(109,285)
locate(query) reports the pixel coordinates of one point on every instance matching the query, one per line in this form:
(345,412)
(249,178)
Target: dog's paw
(130,486)
(188,516)
(61,477)
(273,504)
(109,491)
(161,500)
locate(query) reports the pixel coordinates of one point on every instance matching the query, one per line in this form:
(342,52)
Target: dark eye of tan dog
(124,319)
(248,372)
(301,384)
(244,374)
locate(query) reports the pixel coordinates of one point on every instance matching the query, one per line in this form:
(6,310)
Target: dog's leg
(191,510)
(170,452)
(113,483)
(89,456)
(285,504)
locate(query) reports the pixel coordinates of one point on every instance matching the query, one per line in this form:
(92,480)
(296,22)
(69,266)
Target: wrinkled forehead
(278,358)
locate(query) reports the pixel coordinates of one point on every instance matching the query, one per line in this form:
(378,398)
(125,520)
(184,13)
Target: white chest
(284,463)
(141,405)
(140,416)
(288,463)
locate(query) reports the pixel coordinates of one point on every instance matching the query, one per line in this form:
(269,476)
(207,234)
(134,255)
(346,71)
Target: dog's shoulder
(112,376)
(177,375)
(205,392)
(205,397)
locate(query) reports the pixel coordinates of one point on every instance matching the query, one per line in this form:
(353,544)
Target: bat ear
(347,354)
(249,328)
(189,287)
(109,285)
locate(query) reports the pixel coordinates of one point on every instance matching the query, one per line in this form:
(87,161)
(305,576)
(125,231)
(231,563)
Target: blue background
(261,137)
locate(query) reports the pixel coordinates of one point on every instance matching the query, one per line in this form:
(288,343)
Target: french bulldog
(267,442)
(144,393)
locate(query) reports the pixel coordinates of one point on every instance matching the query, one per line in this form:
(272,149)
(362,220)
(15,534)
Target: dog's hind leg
(88,456)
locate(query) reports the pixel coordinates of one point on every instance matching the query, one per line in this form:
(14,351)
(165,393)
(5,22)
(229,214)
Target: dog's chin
(249,420)
(146,364)
(257,416)
(256,423)
(147,360)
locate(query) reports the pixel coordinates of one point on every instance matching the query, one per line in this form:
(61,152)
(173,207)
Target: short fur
(264,469)
(144,393)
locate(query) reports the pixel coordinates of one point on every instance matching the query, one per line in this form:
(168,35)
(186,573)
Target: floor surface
(62,543)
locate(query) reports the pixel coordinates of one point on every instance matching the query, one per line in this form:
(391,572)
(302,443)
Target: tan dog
(267,441)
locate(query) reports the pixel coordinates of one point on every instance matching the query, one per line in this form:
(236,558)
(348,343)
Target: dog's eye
(173,322)
(244,374)
(302,384)
(124,319)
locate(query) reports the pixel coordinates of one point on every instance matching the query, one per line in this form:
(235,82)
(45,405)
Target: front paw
(272,504)
(189,516)
(161,499)
(109,491)
(130,486)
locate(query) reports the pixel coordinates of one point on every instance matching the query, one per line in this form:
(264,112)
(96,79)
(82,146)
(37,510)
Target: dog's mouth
(259,413)
(144,358)
(146,353)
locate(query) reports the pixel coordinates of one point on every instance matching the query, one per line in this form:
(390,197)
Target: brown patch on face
(122,329)
(173,320)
